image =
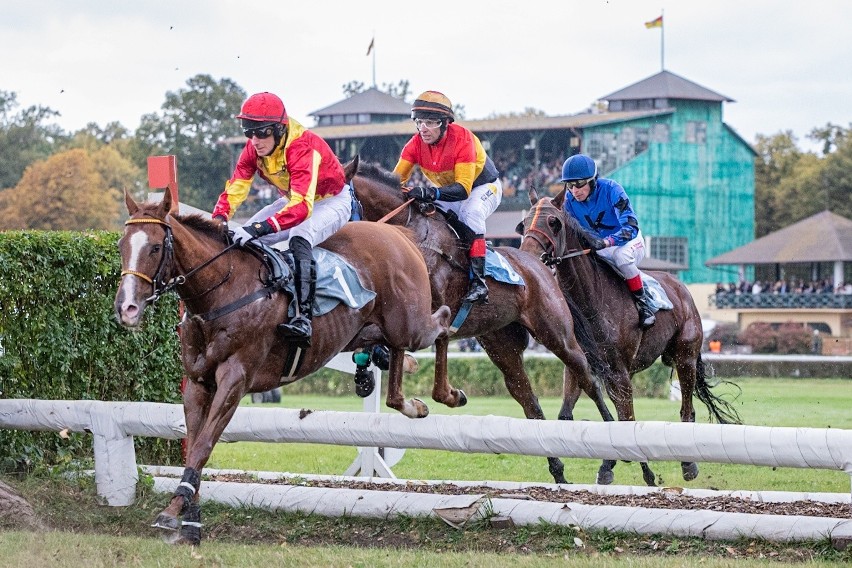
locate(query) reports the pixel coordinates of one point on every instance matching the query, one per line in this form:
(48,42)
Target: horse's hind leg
(442,391)
(414,408)
(686,373)
(505,348)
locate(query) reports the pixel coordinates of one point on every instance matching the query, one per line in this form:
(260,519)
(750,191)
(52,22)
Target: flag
(658,23)
(372,43)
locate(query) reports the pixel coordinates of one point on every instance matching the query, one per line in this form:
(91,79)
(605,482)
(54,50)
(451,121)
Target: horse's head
(548,230)
(146,250)
(378,190)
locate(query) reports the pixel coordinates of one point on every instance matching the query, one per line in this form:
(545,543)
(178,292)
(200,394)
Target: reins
(395,211)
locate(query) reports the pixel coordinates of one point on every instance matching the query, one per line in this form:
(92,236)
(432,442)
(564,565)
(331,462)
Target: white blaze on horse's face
(133,290)
(138,243)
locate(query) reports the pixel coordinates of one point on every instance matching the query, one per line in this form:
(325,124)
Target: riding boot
(478,291)
(646,310)
(298,330)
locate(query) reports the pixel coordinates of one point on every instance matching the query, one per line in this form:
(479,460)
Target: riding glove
(597,243)
(423,194)
(246,233)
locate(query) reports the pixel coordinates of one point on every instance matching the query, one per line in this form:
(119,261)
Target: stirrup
(297,331)
(477,294)
(646,319)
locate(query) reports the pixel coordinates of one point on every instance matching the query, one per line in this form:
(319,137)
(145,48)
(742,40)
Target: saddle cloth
(337,282)
(657,293)
(498,268)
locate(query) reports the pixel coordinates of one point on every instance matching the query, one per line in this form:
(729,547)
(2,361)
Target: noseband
(547,256)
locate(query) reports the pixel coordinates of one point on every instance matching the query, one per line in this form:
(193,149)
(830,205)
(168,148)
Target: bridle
(544,239)
(158,282)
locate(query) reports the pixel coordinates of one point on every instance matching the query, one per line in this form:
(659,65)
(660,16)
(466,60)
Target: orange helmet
(262,109)
(432,104)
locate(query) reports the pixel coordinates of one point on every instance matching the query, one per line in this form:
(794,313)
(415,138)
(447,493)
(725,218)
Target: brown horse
(608,306)
(229,345)
(503,325)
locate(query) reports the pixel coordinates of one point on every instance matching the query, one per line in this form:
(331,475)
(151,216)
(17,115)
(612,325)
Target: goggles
(577,183)
(427,122)
(261,133)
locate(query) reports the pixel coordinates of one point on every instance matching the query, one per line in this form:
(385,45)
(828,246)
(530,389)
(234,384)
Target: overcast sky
(787,65)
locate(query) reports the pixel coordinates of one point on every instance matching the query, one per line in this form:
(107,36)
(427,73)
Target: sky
(787,65)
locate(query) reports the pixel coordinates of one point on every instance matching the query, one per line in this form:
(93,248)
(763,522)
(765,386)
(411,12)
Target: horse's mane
(201,224)
(378,173)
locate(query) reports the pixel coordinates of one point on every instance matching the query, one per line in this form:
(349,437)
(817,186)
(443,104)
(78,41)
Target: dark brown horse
(608,306)
(229,345)
(503,325)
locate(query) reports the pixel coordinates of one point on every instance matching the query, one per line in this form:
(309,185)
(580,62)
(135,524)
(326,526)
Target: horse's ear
(350,169)
(166,204)
(520,228)
(533,196)
(132,206)
(559,200)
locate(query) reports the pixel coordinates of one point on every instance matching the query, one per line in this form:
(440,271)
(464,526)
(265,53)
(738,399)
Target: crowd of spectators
(795,286)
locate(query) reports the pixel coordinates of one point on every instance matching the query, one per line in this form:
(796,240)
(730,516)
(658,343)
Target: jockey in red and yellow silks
(466,179)
(314,203)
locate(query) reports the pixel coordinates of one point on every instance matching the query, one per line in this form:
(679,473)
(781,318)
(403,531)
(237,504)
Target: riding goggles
(577,183)
(427,122)
(261,133)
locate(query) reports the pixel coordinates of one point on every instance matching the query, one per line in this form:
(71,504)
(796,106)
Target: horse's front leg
(442,391)
(184,503)
(414,408)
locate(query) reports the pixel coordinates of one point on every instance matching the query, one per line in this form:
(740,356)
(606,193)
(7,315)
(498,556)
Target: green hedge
(479,377)
(59,340)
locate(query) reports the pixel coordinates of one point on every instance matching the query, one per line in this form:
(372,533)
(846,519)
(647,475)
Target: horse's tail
(720,409)
(598,367)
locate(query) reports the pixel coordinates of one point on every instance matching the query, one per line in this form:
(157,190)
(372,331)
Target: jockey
(468,184)
(314,202)
(601,207)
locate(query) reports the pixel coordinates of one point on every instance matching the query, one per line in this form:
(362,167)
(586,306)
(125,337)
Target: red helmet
(263,109)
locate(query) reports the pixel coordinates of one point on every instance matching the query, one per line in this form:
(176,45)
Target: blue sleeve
(628,224)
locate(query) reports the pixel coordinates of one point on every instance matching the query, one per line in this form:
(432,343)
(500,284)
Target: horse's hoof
(605,477)
(649,478)
(421,410)
(462,399)
(167,522)
(364,383)
(690,470)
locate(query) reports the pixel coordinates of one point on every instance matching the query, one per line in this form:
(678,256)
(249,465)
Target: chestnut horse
(556,237)
(229,345)
(503,325)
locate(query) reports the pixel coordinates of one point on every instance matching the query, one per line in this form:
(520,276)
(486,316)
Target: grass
(818,403)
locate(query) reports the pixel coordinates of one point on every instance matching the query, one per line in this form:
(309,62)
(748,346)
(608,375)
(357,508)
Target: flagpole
(374,59)
(662,43)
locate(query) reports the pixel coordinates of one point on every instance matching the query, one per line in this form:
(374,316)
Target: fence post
(116,473)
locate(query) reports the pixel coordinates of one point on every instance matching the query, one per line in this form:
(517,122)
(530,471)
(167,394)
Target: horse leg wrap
(364,383)
(190,529)
(188,487)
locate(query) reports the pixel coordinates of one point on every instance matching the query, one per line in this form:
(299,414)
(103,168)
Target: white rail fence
(114,424)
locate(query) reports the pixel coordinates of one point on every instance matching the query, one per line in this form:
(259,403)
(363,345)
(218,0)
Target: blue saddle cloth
(657,293)
(337,282)
(498,268)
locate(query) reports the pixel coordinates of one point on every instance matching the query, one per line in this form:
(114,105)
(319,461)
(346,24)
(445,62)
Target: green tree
(777,157)
(191,126)
(25,136)
(837,177)
(65,192)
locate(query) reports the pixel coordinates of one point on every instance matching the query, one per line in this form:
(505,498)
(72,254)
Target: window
(672,249)
(696,132)
(660,133)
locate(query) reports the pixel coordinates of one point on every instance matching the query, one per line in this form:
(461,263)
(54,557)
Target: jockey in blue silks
(602,208)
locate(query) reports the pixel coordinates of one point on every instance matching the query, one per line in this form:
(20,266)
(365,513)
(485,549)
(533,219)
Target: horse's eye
(155,249)
(554,223)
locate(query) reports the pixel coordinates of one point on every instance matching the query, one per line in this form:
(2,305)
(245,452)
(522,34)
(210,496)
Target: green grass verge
(818,403)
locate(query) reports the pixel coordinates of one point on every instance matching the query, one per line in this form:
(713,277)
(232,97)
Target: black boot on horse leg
(646,311)
(298,330)
(478,291)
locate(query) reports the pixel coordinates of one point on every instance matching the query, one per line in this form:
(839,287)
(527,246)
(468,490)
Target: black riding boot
(646,312)
(298,330)
(478,291)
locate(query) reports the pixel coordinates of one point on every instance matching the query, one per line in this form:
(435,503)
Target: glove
(246,233)
(422,194)
(597,243)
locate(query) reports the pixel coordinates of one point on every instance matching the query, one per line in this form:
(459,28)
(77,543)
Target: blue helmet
(579,166)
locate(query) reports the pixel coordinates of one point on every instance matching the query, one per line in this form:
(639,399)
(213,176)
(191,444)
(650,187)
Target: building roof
(824,237)
(371,101)
(666,85)
(514,123)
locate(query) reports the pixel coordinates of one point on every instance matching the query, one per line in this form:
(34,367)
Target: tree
(527,112)
(191,126)
(837,177)
(25,136)
(64,192)
(400,90)
(777,157)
